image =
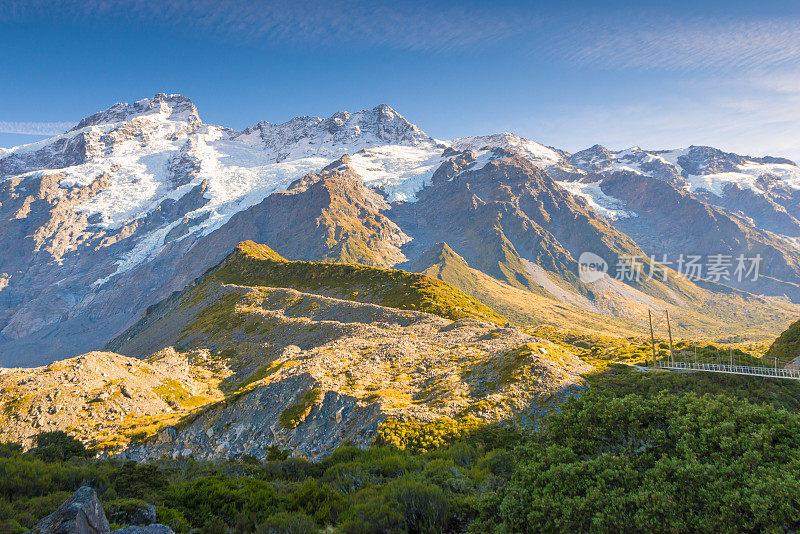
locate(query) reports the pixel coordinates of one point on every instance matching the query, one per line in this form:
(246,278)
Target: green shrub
(287,523)
(347,478)
(317,500)
(423,437)
(57,446)
(423,506)
(294,415)
(173,518)
(8,450)
(209,498)
(371,513)
(119,510)
(143,481)
(662,463)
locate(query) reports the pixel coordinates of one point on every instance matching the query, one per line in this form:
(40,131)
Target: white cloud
(35,128)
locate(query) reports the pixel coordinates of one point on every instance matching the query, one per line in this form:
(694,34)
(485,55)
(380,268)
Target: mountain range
(138,201)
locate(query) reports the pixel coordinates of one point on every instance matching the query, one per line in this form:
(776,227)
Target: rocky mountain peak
(594,155)
(343,132)
(700,160)
(382,122)
(172,107)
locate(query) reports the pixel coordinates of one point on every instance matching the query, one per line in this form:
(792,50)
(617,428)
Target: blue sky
(568,75)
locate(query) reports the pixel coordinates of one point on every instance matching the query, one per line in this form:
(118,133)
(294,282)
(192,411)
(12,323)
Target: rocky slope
(102,397)
(244,362)
(137,201)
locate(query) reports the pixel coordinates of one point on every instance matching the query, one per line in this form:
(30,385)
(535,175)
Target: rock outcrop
(83,513)
(80,514)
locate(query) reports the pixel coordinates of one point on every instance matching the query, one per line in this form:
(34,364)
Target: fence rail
(770,372)
(734,368)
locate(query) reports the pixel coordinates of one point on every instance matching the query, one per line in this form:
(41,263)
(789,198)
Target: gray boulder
(148,529)
(131,514)
(82,513)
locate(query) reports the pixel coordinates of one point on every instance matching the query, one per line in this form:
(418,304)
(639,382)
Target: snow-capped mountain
(136,201)
(705,171)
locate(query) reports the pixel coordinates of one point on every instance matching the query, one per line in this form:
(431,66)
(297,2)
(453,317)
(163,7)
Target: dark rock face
(705,159)
(72,150)
(672,221)
(80,514)
(327,216)
(507,211)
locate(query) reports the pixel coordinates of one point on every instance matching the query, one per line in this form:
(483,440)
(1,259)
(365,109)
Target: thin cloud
(401,24)
(664,43)
(611,40)
(35,128)
(747,120)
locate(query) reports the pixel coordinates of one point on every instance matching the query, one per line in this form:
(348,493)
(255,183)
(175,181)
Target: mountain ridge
(105,220)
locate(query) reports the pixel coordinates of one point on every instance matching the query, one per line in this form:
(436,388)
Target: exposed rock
(140,516)
(101,397)
(148,529)
(80,514)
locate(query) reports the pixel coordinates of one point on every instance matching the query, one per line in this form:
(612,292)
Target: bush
(230,500)
(423,437)
(122,510)
(317,500)
(142,481)
(287,523)
(173,518)
(347,478)
(57,446)
(8,450)
(658,463)
(371,513)
(423,506)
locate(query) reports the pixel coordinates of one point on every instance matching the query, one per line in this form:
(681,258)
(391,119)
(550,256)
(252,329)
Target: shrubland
(635,452)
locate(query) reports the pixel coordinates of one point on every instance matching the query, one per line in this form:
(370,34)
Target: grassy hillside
(787,347)
(718,314)
(252,264)
(520,305)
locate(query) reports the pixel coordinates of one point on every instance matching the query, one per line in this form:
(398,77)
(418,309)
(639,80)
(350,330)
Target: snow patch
(603,204)
(746,178)
(399,171)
